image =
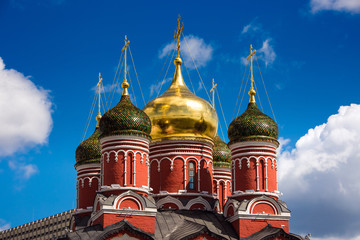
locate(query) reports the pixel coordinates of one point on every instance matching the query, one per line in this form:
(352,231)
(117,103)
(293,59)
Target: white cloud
(156,87)
(336,238)
(266,54)
(352,6)
(22,170)
(321,174)
(108,88)
(251,27)
(4,225)
(194,47)
(26,112)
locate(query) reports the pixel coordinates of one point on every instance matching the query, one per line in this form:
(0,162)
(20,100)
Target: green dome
(253,125)
(125,119)
(89,151)
(221,153)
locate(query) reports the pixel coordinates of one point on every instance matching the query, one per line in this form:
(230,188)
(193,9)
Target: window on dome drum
(191,175)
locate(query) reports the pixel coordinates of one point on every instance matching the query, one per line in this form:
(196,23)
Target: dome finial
(125,84)
(213,92)
(252,91)
(177,35)
(98,117)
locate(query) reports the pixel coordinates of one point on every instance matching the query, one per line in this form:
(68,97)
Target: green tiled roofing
(125,119)
(89,150)
(221,153)
(253,125)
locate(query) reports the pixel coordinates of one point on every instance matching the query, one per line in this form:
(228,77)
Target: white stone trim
(252,153)
(121,147)
(183,194)
(104,140)
(110,188)
(89,166)
(258,216)
(198,200)
(252,144)
(180,153)
(169,199)
(251,208)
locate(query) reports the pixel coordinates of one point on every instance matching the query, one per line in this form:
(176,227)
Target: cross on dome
(252,91)
(125,84)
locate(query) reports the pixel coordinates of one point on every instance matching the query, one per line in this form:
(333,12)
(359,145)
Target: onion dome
(125,119)
(179,114)
(221,153)
(89,150)
(253,125)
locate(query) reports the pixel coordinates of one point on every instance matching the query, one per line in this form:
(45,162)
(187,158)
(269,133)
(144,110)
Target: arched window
(191,175)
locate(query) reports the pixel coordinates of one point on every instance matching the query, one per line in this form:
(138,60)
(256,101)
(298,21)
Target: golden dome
(179,114)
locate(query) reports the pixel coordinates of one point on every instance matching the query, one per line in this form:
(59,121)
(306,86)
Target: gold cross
(125,84)
(178,34)
(99,90)
(252,91)
(213,92)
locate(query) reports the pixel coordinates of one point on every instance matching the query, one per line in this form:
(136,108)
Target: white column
(257,174)
(185,175)
(199,176)
(125,166)
(266,176)
(134,169)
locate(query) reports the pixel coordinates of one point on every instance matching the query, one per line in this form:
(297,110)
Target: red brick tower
(183,128)
(87,156)
(222,171)
(253,142)
(87,165)
(124,189)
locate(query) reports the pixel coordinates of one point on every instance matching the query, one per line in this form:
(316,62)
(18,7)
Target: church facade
(164,173)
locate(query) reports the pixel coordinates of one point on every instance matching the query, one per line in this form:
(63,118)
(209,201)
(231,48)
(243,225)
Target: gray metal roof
(181,224)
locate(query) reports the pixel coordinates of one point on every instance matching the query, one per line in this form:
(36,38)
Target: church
(163,172)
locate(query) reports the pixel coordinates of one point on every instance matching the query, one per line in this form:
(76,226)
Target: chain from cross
(213,92)
(177,35)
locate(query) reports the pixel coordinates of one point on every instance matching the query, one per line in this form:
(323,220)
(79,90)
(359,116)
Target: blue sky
(52,51)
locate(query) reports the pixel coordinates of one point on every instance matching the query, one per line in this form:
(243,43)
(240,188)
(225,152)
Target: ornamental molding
(144,189)
(222,180)
(258,217)
(180,153)
(254,193)
(185,161)
(122,147)
(248,160)
(177,194)
(253,153)
(181,149)
(252,144)
(87,175)
(96,215)
(169,199)
(250,210)
(198,200)
(89,166)
(107,139)
(116,153)
(82,181)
